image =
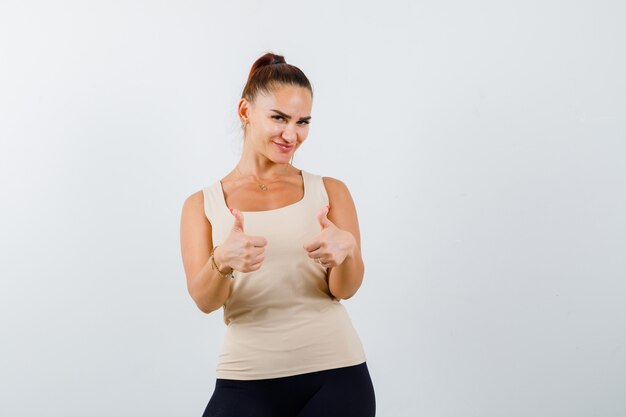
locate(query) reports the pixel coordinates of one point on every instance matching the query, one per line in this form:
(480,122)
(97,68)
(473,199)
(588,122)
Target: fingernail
(328,205)
(231,211)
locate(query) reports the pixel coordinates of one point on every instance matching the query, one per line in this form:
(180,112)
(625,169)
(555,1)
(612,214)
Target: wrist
(219,264)
(218,259)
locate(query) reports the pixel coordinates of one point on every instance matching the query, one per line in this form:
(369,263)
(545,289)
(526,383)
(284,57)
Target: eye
(279,117)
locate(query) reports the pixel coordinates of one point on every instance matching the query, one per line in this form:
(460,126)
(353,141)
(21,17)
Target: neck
(262,174)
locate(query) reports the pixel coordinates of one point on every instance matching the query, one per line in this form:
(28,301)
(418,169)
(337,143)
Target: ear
(243,109)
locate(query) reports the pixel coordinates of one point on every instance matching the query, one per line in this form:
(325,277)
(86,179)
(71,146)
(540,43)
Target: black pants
(339,392)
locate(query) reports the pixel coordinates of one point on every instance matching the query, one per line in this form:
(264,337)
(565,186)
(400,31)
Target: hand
(333,245)
(239,251)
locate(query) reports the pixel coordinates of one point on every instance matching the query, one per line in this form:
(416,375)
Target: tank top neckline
(304,195)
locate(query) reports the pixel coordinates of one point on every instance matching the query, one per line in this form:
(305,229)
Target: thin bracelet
(214,266)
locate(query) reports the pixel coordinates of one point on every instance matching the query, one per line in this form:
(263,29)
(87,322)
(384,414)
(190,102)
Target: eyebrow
(289,117)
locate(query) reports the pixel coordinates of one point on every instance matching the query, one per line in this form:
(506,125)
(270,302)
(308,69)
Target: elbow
(345,290)
(345,296)
(207,308)
(202,306)
(342,294)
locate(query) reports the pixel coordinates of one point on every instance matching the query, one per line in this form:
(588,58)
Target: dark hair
(271,71)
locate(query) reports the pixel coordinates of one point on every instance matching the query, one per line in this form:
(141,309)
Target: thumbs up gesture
(331,247)
(240,251)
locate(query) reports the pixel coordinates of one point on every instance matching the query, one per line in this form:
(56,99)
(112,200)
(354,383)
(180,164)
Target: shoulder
(194,200)
(338,193)
(335,186)
(193,208)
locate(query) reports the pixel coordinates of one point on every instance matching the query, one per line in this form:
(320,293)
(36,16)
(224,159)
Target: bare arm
(344,280)
(208,289)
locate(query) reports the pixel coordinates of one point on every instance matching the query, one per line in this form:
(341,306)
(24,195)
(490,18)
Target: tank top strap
(213,203)
(317,195)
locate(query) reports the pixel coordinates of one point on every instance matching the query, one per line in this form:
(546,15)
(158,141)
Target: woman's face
(278,122)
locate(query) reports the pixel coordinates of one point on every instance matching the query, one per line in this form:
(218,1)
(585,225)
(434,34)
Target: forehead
(288,98)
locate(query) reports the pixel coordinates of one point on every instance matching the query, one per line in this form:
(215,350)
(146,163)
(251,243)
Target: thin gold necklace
(263,187)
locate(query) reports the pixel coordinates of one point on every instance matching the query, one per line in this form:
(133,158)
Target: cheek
(273,130)
(304,133)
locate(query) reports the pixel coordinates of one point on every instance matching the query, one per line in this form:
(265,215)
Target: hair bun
(264,76)
(278,60)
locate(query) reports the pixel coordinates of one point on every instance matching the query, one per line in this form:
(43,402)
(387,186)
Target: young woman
(278,248)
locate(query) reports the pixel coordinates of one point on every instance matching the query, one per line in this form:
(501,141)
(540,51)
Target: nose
(289,133)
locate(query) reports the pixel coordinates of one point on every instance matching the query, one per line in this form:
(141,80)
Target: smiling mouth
(283,147)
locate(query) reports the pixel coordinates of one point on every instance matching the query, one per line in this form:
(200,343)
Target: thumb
(238,225)
(322,217)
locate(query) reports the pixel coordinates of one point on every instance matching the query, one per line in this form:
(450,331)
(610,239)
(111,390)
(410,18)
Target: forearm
(344,280)
(209,289)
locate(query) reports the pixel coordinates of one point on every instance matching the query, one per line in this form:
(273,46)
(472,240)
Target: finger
(322,217)
(312,245)
(322,262)
(256,266)
(257,252)
(259,258)
(258,241)
(238,225)
(256,262)
(316,254)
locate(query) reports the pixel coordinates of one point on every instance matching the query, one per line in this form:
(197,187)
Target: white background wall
(483,143)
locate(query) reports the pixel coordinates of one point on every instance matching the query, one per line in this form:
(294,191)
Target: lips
(283,148)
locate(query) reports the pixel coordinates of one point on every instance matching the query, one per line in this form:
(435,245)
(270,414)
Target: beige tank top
(282,318)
